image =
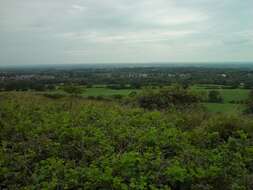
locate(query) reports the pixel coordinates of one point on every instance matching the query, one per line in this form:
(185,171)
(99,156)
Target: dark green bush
(167,98)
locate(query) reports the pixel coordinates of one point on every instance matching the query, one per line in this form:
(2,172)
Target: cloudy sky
(123,31)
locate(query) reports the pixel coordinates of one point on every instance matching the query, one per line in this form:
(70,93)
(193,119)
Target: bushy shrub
(166,98)
(102,145)
(214,96)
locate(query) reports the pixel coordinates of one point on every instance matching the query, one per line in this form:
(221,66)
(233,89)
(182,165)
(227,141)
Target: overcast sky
(123,31)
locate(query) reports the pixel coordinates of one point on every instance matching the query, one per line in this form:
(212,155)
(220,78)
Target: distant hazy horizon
(237,65)
(53,32)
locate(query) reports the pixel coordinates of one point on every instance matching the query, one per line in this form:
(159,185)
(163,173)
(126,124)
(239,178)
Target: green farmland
(229,95)
(224,107)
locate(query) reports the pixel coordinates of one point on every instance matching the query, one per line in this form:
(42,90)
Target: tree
(73,90)
(214,96)
(249,106)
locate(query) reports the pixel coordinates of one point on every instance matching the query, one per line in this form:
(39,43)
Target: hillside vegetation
(76,143)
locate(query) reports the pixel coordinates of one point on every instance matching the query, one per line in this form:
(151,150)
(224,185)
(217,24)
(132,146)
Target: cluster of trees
(214,96)
(166,98)
(26,85)
(50,144)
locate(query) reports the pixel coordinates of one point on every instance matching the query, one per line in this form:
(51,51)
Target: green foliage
(249,108)
(214,96)
(174,96)
(73,89)
(101,145)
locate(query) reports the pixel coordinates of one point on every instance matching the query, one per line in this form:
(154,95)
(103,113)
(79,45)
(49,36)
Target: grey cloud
(124,30)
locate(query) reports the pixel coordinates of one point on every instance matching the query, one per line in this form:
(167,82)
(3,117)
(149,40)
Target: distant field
(228,96)
(224,108)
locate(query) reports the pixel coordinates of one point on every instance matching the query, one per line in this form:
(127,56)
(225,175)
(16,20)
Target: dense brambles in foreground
(73,143)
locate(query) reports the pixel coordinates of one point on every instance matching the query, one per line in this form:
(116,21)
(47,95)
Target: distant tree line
(121,78)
